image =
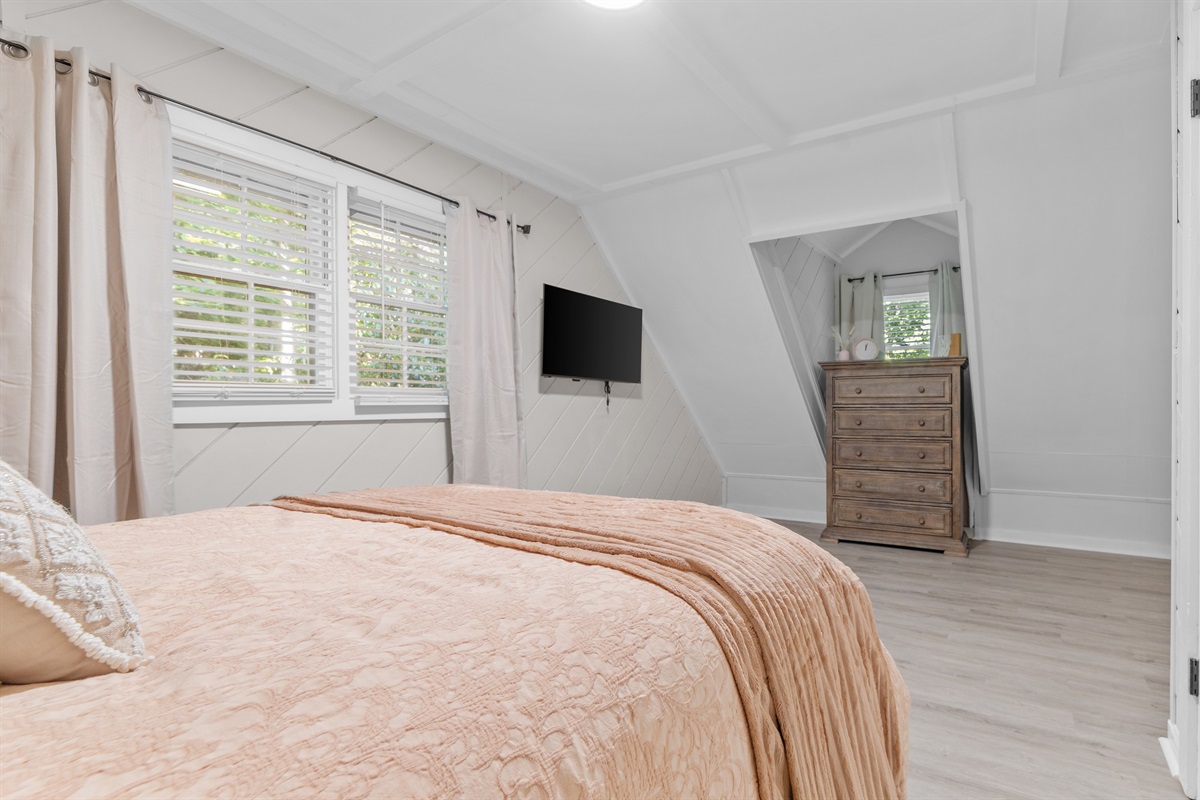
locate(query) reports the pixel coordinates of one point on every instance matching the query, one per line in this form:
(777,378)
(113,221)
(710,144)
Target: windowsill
(231,413)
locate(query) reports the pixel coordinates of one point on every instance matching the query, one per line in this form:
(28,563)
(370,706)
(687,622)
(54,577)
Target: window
(906,326)
(397,301)
(253,278)
(302,289)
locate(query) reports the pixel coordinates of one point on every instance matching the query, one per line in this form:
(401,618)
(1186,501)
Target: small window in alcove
(906,325)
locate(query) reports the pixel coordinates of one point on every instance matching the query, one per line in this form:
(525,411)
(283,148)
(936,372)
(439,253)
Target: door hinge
(1194,677)
(1196,97)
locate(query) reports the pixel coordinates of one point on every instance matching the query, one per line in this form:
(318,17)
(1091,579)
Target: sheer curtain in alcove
(946,315)
(858,308)
(486,436)
(85,318)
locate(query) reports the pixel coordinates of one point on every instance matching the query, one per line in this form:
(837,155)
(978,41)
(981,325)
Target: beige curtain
(85,326)
(946,315)
(486,436)
(859,308)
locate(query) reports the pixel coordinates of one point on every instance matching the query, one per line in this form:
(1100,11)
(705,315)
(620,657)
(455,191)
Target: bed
(466,641)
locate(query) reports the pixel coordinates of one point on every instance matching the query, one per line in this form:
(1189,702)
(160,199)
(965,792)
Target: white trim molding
(1183,724)
(787,497)
(1123,525)
(1134,526)
(1170,748)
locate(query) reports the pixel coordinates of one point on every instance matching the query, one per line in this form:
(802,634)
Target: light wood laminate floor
(1034,672)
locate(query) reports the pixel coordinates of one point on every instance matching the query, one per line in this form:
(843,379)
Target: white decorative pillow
(63,615)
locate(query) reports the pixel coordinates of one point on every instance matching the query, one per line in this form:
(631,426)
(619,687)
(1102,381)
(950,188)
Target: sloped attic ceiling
(840,244)
(586,102)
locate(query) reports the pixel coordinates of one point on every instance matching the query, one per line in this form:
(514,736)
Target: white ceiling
(839,244)
(587,103)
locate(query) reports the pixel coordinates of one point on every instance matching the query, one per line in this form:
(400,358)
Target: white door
(1182,744)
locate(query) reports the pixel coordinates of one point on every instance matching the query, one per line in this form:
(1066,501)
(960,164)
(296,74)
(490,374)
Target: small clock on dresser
(864,349)
(894,471)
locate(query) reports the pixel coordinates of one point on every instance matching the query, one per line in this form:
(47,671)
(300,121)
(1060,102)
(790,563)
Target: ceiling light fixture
(614,5)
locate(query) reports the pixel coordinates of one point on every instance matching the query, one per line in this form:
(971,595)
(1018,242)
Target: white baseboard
(786,497)
(1169,744)
(781,514)
(1135,526)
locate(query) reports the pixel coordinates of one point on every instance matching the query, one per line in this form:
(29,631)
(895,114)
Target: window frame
(397,224)
(193,406)
(907,286)
(238,242)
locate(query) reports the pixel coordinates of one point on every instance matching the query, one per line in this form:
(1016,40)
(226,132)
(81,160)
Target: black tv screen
(588,337)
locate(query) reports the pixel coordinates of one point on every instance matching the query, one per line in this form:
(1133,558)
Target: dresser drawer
(870,484)
(931,456)
(899,389)
(912,422)
(901,517)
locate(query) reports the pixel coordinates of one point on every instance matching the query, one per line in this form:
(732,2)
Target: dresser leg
(960,548)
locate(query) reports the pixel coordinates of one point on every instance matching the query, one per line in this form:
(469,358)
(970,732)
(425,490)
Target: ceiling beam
(716,79)
(1024,86)
(451,127)
(860,241)
(261,34)
(1051,40)
(733,190)
(937,226)
(817,242)
(844,130)
(440,46)
(13,14)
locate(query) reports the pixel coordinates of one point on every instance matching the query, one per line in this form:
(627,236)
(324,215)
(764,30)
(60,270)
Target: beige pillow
(63,615)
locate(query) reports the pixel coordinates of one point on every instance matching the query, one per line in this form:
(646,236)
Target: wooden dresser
(894,455)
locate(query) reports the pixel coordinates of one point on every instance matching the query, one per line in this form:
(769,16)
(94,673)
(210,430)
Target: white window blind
(253,279)
(398,301)
(906,325)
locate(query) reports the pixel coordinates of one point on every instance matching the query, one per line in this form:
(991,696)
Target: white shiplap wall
(799,280)
(810,276)
(645,444)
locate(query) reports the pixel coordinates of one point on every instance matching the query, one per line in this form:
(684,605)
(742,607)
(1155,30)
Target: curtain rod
(144,93)
(904,274)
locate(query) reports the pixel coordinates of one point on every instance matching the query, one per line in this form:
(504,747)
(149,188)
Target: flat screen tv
(586,337)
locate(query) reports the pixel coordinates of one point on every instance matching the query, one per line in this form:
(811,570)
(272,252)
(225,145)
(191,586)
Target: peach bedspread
(420,643)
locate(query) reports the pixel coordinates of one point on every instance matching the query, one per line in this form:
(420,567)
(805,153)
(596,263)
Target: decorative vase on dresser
(894,456)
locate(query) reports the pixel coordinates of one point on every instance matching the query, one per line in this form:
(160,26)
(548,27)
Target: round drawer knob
(858,422)
(858,515)
(921,521)
(921,454)
(858,485)
(858,453)
(920,390)
(921,423)
(921,489)
(858,390)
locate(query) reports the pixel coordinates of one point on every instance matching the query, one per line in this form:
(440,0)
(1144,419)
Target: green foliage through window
(398,299)
(260,307)
(252,277)
(906,326)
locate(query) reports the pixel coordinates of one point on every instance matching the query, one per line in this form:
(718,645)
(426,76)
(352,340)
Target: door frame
(1181,745)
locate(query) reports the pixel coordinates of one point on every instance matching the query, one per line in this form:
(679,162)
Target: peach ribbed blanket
(825,707)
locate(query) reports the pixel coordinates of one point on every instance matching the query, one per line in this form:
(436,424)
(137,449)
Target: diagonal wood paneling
(645,443)
(328,443)
(374,462)
(635,440)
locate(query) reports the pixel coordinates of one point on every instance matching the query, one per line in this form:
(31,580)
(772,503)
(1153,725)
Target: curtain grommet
(143,93)
(15,50)
(93,80)
(62,66)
